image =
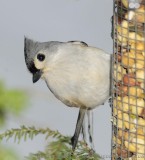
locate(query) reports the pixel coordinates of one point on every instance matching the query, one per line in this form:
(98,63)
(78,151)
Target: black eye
(41,57)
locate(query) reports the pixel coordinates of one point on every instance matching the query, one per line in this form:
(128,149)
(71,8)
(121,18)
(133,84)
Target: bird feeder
(128,80)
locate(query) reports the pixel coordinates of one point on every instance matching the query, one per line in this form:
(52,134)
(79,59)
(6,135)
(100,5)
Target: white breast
(79,76)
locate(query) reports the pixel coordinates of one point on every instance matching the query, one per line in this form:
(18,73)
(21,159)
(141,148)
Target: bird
(77,74)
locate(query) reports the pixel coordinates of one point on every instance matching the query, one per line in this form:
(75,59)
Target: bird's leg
(74,139)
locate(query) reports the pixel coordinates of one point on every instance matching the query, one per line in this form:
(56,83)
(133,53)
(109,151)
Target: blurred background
(48,20)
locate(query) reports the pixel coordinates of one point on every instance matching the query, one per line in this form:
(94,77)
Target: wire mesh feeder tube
(128,111)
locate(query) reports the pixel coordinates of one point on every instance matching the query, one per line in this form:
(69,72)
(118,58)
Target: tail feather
(90,128)
(87,132)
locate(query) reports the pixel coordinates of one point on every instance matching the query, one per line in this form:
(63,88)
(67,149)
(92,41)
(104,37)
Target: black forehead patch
(32,68)
(30,49)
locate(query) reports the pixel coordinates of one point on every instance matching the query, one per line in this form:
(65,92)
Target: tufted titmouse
(77,74)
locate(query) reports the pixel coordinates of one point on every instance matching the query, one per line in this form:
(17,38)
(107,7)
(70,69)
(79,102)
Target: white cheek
(38,64)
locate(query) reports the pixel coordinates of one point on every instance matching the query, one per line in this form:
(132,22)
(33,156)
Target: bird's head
(38,55)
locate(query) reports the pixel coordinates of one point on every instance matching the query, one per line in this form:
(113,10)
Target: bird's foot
(74,141)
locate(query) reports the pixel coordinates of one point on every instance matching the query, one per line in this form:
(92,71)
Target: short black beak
(37,76)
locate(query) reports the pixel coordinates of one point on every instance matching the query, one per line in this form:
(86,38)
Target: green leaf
(7,154)
(11,101)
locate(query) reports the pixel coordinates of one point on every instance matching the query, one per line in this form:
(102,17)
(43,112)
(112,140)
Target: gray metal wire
(128,84)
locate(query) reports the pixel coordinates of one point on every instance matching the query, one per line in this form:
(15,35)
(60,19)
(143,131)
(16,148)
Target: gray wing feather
(78,42)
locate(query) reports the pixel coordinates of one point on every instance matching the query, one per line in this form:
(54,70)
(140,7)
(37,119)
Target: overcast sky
(52,20)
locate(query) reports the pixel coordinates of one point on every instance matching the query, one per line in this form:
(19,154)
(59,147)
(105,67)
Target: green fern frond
(59,149)
(28,132)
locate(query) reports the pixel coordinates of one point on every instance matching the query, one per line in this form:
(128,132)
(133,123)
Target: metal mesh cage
(128,84)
